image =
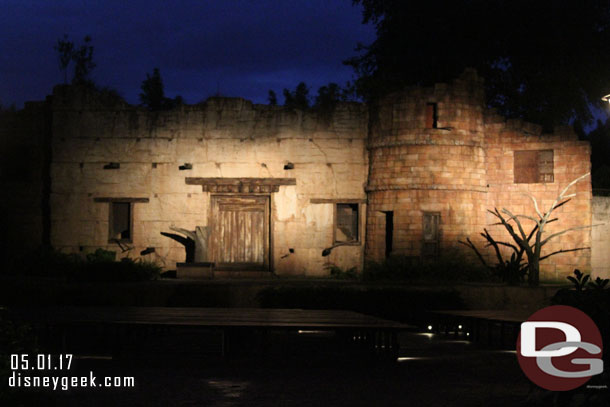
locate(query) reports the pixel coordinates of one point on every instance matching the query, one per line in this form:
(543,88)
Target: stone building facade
(439,160)
(273,189)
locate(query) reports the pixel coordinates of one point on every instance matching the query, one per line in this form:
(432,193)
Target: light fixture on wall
(606,98)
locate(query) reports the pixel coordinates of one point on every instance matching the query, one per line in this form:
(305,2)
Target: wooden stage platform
(223,331)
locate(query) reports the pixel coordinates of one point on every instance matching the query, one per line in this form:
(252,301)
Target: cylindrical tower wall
(427,168)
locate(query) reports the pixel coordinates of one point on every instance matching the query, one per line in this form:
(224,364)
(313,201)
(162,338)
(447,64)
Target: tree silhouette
(543,60)
(65,51)
(153,94)
(328,96)
(82,57)
(297,99)
(83,62)
(272,98)
(529,243)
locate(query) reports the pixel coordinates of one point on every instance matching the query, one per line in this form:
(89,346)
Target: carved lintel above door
(240,185)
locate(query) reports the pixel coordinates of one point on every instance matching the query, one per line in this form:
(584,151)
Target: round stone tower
(427,182)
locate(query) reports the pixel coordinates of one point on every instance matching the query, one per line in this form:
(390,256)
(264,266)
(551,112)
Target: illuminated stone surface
(391,162)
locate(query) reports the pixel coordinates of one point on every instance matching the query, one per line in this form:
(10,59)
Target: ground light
(606,98)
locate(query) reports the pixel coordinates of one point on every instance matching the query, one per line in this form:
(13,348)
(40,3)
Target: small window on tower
(431,115)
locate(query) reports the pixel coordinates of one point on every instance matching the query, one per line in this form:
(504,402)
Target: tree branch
(545,241)
(473,247)
(563,251)
(185,232)
(535,206)
(523,238)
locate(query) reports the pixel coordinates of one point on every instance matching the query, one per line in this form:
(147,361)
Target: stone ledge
(427,187)
(240,185)
(195,270)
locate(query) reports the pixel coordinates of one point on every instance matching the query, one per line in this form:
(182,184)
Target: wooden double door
(240,232)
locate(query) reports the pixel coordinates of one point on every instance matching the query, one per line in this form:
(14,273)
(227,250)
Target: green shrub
(98,266)
(593,298)
(450,267)
(16,338)
(101,256)
(340,274)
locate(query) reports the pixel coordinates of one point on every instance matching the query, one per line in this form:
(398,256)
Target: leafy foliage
(340,274)
(98,266)
(16,338)
(65,50)
(598,284)
(328,96)
(81,57)
(324,102)
(272,98)
(83,61)
(579,280)
(452,266)
(511,271)
(593,298)
(543,60)
(298,98)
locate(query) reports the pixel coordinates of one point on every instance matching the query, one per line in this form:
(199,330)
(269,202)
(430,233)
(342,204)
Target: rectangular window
(431,234)
(533,166)
(389,233)
(120,222)
(431,116)
(346,223)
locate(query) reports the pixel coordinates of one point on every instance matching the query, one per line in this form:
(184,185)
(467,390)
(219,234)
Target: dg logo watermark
(559,348)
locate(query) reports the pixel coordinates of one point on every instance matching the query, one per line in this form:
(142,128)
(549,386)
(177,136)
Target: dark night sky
(234,47)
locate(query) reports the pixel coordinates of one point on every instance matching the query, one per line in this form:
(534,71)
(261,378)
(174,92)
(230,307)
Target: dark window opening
(431,234)
(120,221)
(389,232)
(346,223)
(533,166)
(431,116)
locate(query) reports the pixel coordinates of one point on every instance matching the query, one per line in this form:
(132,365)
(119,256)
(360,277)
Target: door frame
(267,234)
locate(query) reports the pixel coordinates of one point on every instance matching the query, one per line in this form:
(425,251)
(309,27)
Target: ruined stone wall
(454,167)
(600,245)
(462,167)
(571,159)
(224,138)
